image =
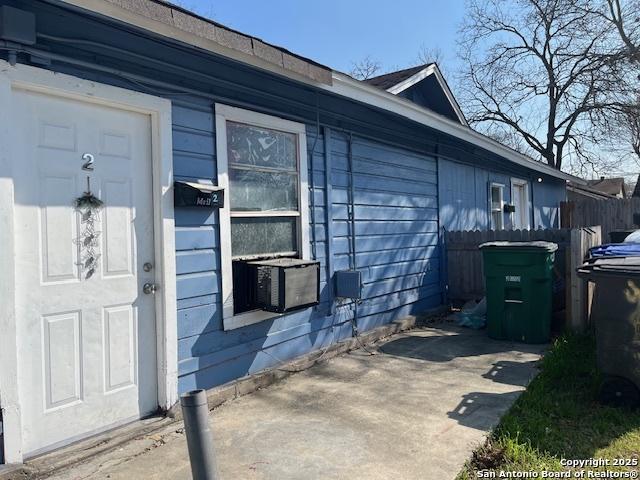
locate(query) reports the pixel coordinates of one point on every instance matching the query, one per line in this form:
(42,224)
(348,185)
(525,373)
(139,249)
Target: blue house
(161,174)
(474,189)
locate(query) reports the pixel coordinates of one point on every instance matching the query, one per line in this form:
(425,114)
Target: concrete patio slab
(415,410)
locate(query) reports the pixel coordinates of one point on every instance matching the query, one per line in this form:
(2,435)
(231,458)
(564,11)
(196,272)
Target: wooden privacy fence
(464,260)
(578,292)
(466,276)
(613,214)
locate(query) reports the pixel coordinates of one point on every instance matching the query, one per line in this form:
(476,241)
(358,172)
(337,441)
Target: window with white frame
(264,189)
(496,206)
(262,166)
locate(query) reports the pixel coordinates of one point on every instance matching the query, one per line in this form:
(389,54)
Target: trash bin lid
(538,246)
(616,250)
(633,237)
(624,266)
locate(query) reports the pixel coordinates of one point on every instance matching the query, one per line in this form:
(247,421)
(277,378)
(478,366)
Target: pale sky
(338,32)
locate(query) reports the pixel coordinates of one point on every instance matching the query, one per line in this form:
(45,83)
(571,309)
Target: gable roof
(401,80)
(612,186)
(389,80)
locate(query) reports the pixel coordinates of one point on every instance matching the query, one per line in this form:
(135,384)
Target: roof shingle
(391,79)
(182,19)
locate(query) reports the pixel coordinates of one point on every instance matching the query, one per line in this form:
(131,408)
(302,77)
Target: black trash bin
(615,314)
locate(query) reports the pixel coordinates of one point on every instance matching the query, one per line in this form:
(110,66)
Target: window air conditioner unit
(285,284)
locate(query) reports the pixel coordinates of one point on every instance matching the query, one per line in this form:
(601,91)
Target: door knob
(149,288)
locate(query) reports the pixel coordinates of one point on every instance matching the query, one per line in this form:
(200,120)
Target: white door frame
(22,77)
(527,206)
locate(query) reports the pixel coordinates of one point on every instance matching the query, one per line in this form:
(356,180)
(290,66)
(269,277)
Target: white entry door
(86,331)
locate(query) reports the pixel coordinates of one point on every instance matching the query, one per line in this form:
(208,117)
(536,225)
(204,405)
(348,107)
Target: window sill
(249,318)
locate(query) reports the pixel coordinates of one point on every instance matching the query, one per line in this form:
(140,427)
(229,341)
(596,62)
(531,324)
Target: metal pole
(199,436)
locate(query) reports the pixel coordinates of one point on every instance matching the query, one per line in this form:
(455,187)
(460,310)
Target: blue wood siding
(464,195)
(396,237)
(547,196)
(428,93)
(395,198)
(396,224)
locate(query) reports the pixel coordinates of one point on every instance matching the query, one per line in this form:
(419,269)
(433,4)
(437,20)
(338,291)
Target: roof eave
(348,87)
(588,191)
(337,83)
(163,19)
(412,80)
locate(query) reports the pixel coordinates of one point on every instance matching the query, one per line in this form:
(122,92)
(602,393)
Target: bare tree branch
(365,68)
(622,18)
(428,54)
(543,70)
(619,120)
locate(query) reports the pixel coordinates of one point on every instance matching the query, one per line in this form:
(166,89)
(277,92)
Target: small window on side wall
(496,206)
(262,164)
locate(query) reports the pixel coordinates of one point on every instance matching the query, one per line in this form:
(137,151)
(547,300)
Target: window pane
(496,198)
(252,190)
(496,220)
(258,236)
(261,147)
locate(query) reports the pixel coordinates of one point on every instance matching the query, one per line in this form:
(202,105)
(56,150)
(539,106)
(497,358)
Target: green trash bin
(519,282)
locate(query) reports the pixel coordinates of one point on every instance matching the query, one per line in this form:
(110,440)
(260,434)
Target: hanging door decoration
(89,206)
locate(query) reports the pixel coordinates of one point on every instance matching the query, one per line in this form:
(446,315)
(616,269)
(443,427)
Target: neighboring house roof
(587,191)
(401,80)
(612,186)
(173,22)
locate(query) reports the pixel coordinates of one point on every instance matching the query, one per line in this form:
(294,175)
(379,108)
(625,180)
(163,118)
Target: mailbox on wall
(192,194)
